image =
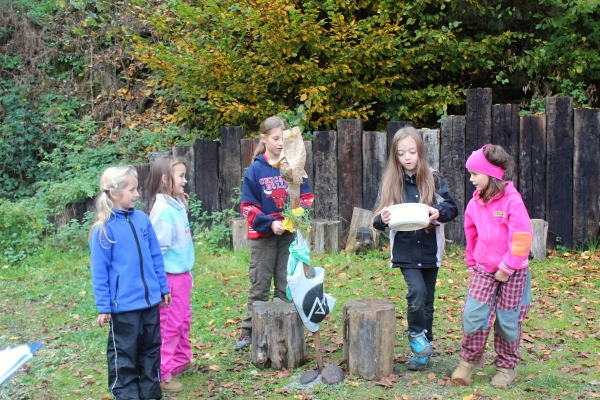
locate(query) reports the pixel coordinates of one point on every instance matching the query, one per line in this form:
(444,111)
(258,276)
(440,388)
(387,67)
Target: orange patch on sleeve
(521,243)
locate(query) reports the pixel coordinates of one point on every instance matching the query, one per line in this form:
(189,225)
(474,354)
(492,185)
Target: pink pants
(175,321)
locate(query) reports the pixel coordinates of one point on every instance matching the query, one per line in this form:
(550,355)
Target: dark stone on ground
(332,374)
(309,376)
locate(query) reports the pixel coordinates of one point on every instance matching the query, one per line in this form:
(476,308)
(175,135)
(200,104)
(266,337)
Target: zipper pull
(116,304)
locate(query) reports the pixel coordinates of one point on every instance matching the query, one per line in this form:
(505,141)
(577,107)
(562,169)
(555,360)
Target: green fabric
(298,253)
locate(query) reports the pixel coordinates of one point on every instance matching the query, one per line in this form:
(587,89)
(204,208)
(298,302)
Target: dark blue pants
(420,298)
(133,354)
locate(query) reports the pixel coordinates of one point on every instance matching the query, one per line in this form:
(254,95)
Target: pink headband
(478,163)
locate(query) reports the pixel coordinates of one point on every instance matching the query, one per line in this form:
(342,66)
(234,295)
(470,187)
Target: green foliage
(72,236)
(211,230)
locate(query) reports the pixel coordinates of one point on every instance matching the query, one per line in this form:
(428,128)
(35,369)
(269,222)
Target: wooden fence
(557,159)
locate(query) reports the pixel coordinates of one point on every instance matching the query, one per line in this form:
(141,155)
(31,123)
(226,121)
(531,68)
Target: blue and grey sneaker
(243,341)
(419,345)
(417,364)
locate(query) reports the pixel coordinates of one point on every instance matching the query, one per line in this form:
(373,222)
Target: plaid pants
(506,304)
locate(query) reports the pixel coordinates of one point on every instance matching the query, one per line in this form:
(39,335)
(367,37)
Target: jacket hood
(178,204)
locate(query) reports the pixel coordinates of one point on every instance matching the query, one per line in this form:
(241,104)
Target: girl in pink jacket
(498,233)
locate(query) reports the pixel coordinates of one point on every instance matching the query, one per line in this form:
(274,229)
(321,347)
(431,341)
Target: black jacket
(418,249)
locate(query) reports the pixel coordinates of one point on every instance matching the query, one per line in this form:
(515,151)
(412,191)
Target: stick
(318,352)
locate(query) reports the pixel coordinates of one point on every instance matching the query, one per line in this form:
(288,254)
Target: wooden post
(239,233)
(361,218)
(230,166)
(277,336)
(324,236)
(431,138)
(392,128)
(326,176)
(559,168)
(186,153)
(309,165)
(478,129)
(369,336)
(143,171)
(206,165)
(586,188)
(350,173)
(153,155)
(539,228)
(452,164)
(505,132)
(373,152)
(247,147)
(532,161)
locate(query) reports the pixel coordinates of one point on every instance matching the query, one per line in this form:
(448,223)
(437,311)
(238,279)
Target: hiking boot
(419,345)
(504,378)
(171,386)
(417,364)
(188,367)
(243,341)
(465,369)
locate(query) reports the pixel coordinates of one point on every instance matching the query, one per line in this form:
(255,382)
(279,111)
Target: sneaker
(417,363)
(243,341)
(171,386)
(504,378)
(419,345)
(188,367)
(465,369)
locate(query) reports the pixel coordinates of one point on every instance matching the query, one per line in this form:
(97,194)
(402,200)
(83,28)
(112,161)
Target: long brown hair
(497,156)
(265,129)
(162,166)
(392,184)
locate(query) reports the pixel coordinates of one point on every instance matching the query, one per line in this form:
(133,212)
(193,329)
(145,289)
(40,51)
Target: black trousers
(420,298)
(133,354)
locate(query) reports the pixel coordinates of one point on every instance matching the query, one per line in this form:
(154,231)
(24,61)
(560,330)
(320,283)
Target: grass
(49,298)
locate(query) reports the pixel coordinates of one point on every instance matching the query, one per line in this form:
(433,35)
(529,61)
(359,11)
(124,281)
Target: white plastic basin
(409,216)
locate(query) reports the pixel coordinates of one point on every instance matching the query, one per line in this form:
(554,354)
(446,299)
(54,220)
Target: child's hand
(166,300)
(434,214)
(501,276)
(102,318)
(386,215)
(184,199)
(277,227)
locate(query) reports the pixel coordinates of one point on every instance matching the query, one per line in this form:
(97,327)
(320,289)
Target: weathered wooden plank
(239,233)
(539,227)
(324,236)
(586,187)
(230,164)
(350,173)
(478,127)
(361,218)
(325,185)
(206,166)
(392,128)
(452,165)
(247,146)
(153,155)
(505,132)
(431,139)
(143,171)
(186,153)
(374,159)
(559,168)
(532,162)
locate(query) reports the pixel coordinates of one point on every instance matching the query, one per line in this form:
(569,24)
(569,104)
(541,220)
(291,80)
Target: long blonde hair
(115,179)
(392,184)
(265,129)
(162,166)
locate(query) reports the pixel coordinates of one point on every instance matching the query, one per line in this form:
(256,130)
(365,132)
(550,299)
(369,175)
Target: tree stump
(361,218)
(239,233)
(540,234)
(369,336)
(277,336)
(325,236)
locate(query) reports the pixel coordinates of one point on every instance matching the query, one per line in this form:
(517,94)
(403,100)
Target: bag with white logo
(310,300)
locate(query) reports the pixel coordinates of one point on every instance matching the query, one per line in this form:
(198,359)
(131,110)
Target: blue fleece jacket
(127,271)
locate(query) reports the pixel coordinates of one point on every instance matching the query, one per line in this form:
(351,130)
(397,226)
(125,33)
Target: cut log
(364,241)
(325,236)
(369,335)
(361,218)
(540,234)
(239,233)
(277,336)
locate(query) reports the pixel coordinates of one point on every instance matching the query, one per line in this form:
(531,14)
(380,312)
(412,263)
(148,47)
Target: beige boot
(465,369)
(171,386)
(504,378)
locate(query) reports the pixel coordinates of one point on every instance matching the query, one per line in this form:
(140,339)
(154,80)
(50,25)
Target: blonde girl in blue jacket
(129,283)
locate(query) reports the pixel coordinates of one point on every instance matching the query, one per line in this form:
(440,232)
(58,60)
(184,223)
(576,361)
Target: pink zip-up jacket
(498,235)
